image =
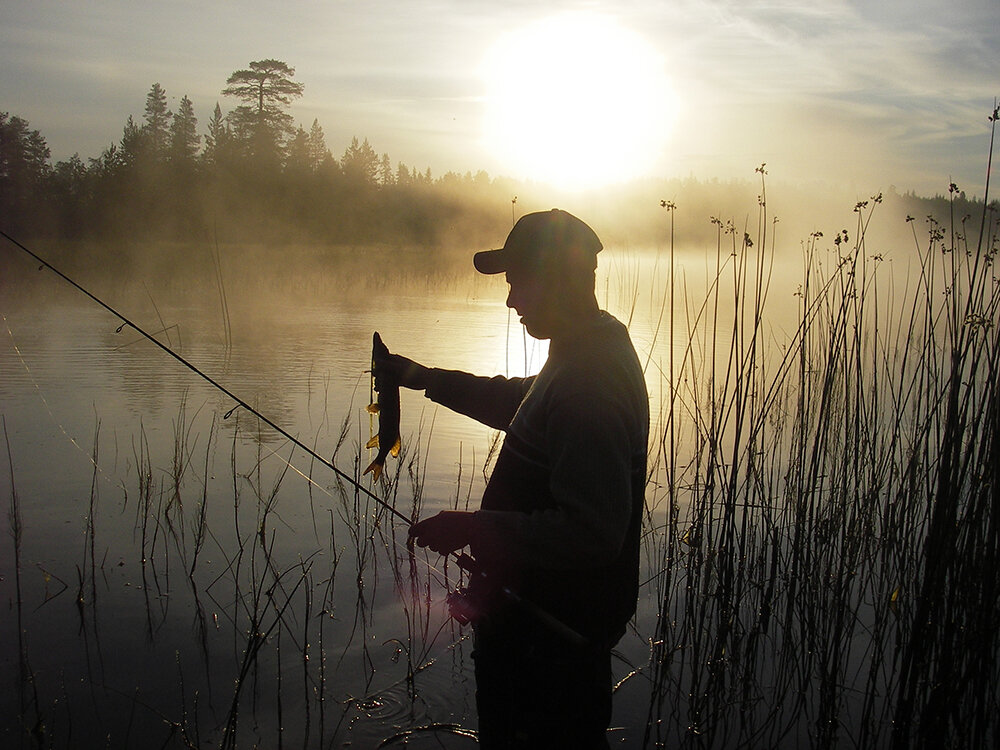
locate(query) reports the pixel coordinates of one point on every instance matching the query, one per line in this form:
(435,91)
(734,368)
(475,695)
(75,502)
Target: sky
(862,94)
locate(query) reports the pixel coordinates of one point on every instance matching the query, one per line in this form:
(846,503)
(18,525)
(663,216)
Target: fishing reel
(465,605)
(481,599)
(462,606)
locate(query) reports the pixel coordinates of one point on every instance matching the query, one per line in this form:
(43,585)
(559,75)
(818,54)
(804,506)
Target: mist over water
(292,336)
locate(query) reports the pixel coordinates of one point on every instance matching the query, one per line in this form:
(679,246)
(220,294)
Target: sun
(576,100)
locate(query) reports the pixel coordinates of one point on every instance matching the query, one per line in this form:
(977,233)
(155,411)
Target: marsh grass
(827,554)
(28,702)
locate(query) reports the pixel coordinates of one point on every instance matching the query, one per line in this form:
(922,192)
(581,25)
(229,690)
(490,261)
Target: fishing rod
(240,403)
(463,609)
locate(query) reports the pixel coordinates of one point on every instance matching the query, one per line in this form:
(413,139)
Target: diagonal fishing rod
(240,403)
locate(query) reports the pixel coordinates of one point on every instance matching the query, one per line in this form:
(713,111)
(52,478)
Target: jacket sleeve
(492,401)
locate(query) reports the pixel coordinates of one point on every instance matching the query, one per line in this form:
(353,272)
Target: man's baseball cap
(550,240)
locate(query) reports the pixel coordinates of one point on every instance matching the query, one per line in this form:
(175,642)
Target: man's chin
(534,332)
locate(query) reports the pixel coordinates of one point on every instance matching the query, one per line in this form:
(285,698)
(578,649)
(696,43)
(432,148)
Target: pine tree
(69,178)
(133,143)
(299,160)
(216,140)
(262,123)
(385,174)
(318,152)
(360,162)
(68,189)
(24,165)
(267,83)
(157,118)
(184,138)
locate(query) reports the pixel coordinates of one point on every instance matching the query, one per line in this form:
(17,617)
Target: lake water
(190,578)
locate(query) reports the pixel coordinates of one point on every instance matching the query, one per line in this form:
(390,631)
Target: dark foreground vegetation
(829,564)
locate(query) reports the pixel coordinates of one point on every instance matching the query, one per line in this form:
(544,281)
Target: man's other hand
(446,532)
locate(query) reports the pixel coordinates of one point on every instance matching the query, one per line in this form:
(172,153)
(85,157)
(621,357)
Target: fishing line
(240,403)
(45,403)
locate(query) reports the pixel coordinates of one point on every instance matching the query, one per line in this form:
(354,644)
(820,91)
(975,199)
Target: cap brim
(490,261)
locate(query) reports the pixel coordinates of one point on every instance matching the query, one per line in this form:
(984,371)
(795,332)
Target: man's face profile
(535,300)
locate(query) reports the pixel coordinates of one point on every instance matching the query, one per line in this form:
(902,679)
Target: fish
(386,405)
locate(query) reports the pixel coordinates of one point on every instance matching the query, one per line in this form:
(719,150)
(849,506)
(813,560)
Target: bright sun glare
(576,100)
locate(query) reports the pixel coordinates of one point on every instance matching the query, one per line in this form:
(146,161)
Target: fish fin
(375,468)
(396,447)
(372,408)
(373,442)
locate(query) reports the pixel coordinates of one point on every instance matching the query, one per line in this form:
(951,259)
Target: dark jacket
(560,517)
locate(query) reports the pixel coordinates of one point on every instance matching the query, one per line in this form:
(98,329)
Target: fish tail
(375,468)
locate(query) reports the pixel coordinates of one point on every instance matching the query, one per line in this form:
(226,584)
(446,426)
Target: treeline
(249,174)
(253,175)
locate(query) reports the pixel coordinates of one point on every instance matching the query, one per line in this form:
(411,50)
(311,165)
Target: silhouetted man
(558,528)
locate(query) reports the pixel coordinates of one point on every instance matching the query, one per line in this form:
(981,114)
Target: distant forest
(252,175)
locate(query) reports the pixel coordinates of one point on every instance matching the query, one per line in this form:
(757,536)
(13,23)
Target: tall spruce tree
(157,117)
(386,176)
(319,154)
(217,138)
(133,143)
(184,138)
(298,161)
